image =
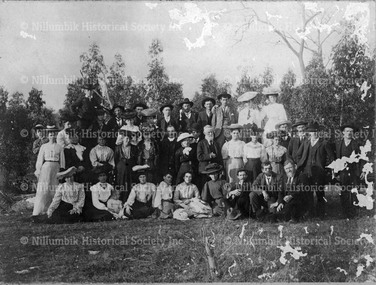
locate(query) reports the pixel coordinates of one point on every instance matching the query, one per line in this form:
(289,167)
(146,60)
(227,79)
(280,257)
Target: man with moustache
(205,116)
(283,128)
(187,117)
(297,140)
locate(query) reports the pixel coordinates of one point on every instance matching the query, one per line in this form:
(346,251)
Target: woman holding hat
(184,157)
(233,153)
(254,155)
(276,153)
(50,159)
(126,155)
(69,199)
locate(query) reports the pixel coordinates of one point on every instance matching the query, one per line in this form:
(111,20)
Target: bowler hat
(299,123)
(206,99)
(313,127)
(224,95)
(195,127)
(350,125)
(186,101)
(166,105)
(39,127)
(140,105)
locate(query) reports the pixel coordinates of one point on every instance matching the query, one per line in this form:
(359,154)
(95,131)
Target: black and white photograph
(187,142)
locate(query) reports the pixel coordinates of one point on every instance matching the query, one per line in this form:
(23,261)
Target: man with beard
(205,116)
(283,128)
(187,117)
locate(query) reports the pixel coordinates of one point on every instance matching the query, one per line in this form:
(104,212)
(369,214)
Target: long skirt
(232,167)
(62,216)
(253,166)
(140,210)
(92,214)
(124,178)
(46,187)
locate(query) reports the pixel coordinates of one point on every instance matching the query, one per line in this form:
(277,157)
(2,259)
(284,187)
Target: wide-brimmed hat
(66,173)
(117,106)
(140,105)
(51,128)
(271,91)
(129,114)
(273,134)
(284,122)
(313,127)
(186,101)
(206,99)
(212,168)
(299,123)
(350,125)
(148,112)
(224,95)
(247,96)
(141,169)
(39,127)
(105,168)
(234,127)
(166,105)
(125,132)
(184,136)
(195,127)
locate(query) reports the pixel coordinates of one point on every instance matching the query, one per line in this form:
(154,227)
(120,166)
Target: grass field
(174,251)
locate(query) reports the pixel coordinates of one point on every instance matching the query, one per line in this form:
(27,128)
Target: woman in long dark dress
(148,152)
(126,156)
(184,157)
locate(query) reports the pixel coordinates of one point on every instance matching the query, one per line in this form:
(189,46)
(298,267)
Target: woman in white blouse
(254,155)
(69,199)
(50,160)
(276,153)
(233,153)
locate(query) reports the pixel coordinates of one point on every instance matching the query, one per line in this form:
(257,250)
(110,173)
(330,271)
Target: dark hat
(105,168)
(313,127)
(255,130)
(195,127)
(350,125)
(140,105)
(273,134)
(186,101)
(206,99)
(224,95)
(212,168)
(271,91)
(234,127)
(117,106)
(51,128)
(129,114)
(39,127)
(299,123)
(164,106)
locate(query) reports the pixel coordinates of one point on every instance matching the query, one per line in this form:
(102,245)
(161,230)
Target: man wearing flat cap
(350,176)
(297,140)
(222,117)
(187,117)
(206,115)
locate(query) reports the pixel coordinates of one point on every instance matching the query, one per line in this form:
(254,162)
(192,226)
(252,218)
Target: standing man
(139,119)
(312,157)
(222,117)
(205,116)
(85,108)
(297,140)
(167,119)
(351,175)
(187,117)
(41,139)
(283,127)
(117,112)
(167,149)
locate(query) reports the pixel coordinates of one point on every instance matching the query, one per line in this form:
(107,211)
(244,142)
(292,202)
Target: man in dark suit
(265,191)
(117,112)
(187,117)
(166,119)
(290,199)
(208,151)
(296,141)
(167,149)
(283,128)
(85,108)
(312,158)
(352,174)
(205,116)
(139,119)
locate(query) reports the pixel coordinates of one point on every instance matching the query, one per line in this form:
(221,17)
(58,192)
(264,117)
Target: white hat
(181,215)
(184,136)
(247,96)
(140,167)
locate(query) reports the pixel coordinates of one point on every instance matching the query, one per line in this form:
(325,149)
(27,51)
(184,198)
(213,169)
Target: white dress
(250,116)
(233,154)
(275,113)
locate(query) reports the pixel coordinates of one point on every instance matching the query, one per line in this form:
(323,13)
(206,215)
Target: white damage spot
(342,270)
(260,230)
(195,15)
(364,200)
(295,253)
(270,16)
(26,35)
(266,275)
(280,227)
(151,6)
(306,230)
(331,230)
(243,230)
(232,266)
(359,270)
(368,237)
(368,259)
(359,15)
(364,88)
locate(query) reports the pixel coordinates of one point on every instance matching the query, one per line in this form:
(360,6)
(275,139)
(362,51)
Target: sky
(42,41)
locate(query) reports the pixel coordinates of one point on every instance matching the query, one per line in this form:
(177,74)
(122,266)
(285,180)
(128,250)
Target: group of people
(135,163)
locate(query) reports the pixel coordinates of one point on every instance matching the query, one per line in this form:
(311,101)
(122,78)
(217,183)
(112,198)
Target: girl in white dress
(233,153)
(50,160)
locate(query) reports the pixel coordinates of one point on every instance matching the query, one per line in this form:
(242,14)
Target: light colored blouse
(50,152)
(164,192)
(257,150)
(233,149)
(62,138)
(98,193)
(184,191)
(250,116)
(100,154)
(142,193)
(275,113)
(70,193)
(275,153)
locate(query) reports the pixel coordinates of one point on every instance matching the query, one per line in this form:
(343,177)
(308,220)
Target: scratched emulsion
(295,252)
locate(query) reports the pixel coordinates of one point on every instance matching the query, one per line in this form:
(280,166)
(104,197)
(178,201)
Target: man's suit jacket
(203,119)
(354,169)
(293,189)
(167,151)
(113,122)
(162,124)
(272,189)
(203,151)
(138,121)
(219,119)
(322,154)
(85,108)
(293,147)
(285,141)
(185,123)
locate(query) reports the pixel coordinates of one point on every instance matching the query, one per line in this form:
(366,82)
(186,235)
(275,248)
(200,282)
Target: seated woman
(184,157)
(69,199)
(126,156)
(276,153)
(139,203)
(186,196)
(163,197)
(96,209)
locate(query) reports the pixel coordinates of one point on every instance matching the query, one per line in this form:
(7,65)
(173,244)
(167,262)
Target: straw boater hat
(352,126)
(224,95)
(184,136)
(164,106)
(140,105)
(141,169)
(285,122)
(186,101)
(299,123)
(212,168)
(39,127)
(271,92)
(206,99)
(247,96)
(51,128)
